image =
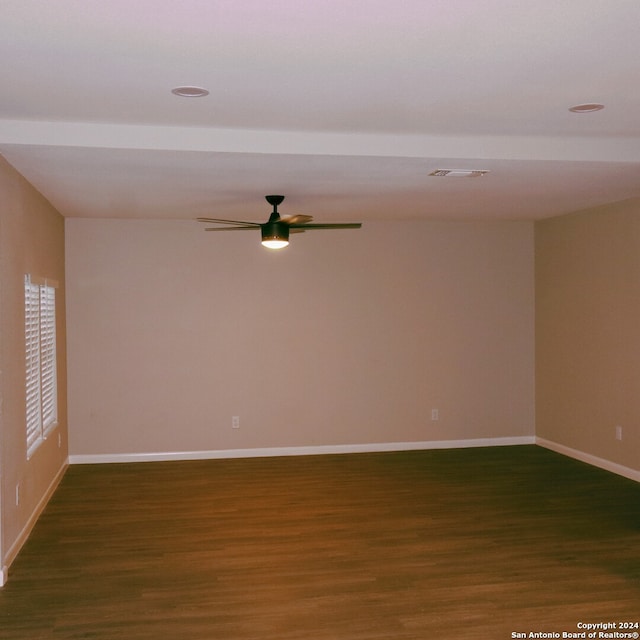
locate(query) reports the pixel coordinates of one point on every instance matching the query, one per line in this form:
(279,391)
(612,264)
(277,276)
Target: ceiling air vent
(459,173)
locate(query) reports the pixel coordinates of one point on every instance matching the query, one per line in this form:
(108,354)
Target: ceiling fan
(275,232)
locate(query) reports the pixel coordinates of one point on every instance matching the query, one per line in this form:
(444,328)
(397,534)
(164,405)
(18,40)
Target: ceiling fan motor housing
(275,231)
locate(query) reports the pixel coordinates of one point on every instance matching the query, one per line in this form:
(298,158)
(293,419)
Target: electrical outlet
(17,494)
(435,414)
(618,432)
(235,422)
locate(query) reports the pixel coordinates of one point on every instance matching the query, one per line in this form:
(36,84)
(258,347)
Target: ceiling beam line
(166,138)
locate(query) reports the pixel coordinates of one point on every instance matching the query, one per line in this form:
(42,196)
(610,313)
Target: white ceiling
(344,106)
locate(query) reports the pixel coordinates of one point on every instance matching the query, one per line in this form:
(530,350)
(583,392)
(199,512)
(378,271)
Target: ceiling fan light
(275,235)
(275,244)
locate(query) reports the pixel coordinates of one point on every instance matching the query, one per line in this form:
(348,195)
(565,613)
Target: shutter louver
(32,343)
(48,357)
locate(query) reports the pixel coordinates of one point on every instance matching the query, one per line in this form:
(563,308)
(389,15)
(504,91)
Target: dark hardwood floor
(442,544)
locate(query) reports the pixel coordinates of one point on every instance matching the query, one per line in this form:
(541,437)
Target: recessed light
(459,173)
(190,92)
(587,108)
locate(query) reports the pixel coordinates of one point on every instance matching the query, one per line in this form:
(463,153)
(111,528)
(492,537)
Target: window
(40,354)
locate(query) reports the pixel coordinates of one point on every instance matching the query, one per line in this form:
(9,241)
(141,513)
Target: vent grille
(459,173)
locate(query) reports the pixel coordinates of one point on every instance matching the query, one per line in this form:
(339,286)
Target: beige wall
(344,337)
(587,331)
(31,241)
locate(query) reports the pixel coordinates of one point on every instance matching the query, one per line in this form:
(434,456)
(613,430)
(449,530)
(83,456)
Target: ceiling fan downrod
(274,201)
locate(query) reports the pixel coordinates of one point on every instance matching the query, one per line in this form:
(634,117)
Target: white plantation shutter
(48,382)
(32,344)
(40,361)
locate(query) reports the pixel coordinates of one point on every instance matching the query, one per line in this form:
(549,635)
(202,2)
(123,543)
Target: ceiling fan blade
(238,228)
(329,225)
(222,221)
(297,219)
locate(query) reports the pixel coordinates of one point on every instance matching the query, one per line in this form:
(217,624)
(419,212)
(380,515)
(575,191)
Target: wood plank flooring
(442,544)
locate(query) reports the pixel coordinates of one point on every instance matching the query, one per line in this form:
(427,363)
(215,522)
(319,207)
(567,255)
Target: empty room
(403,404)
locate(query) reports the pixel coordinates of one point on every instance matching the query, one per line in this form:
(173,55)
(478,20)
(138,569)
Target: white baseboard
(14,549)
(298,451)
(607,465)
